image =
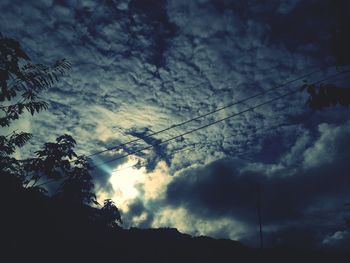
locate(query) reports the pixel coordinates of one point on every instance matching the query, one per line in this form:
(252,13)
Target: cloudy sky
(140,66)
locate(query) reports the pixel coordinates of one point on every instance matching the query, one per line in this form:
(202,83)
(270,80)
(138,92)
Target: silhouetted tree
(78,186)
(323,96)
(110,213)
(20,85)
(23,81)
(65,215)
(8,144)
(53,161)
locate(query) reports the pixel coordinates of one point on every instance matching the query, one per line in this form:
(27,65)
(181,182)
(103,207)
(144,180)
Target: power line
(197,129)
(185,148)
(202,144)
(209,113)
(265,103)
(215,122)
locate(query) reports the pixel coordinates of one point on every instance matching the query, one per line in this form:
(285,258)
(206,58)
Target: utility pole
(258,190)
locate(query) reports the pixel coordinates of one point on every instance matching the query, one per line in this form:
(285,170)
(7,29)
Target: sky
(140,66)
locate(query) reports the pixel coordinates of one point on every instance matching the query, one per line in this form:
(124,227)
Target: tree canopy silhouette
(110,213)
(22,83)
(324,96)
(327,95)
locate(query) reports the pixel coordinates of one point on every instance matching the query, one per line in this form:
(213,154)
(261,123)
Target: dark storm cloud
(313,193)
(303,195)
(138,212)
(213,189)
(156,154)
(221,189)
(155,24)
(303,236)
(316,18)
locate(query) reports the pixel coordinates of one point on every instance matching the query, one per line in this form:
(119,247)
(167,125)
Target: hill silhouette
(36,227)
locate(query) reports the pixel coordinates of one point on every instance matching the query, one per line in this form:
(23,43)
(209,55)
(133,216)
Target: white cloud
(336,237)
(327,148)
(186,222)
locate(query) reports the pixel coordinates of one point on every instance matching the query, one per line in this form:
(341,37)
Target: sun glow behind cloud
(130,183)
(124,181)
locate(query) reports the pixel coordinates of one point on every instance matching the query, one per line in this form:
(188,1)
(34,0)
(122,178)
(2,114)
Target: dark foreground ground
(35,228)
